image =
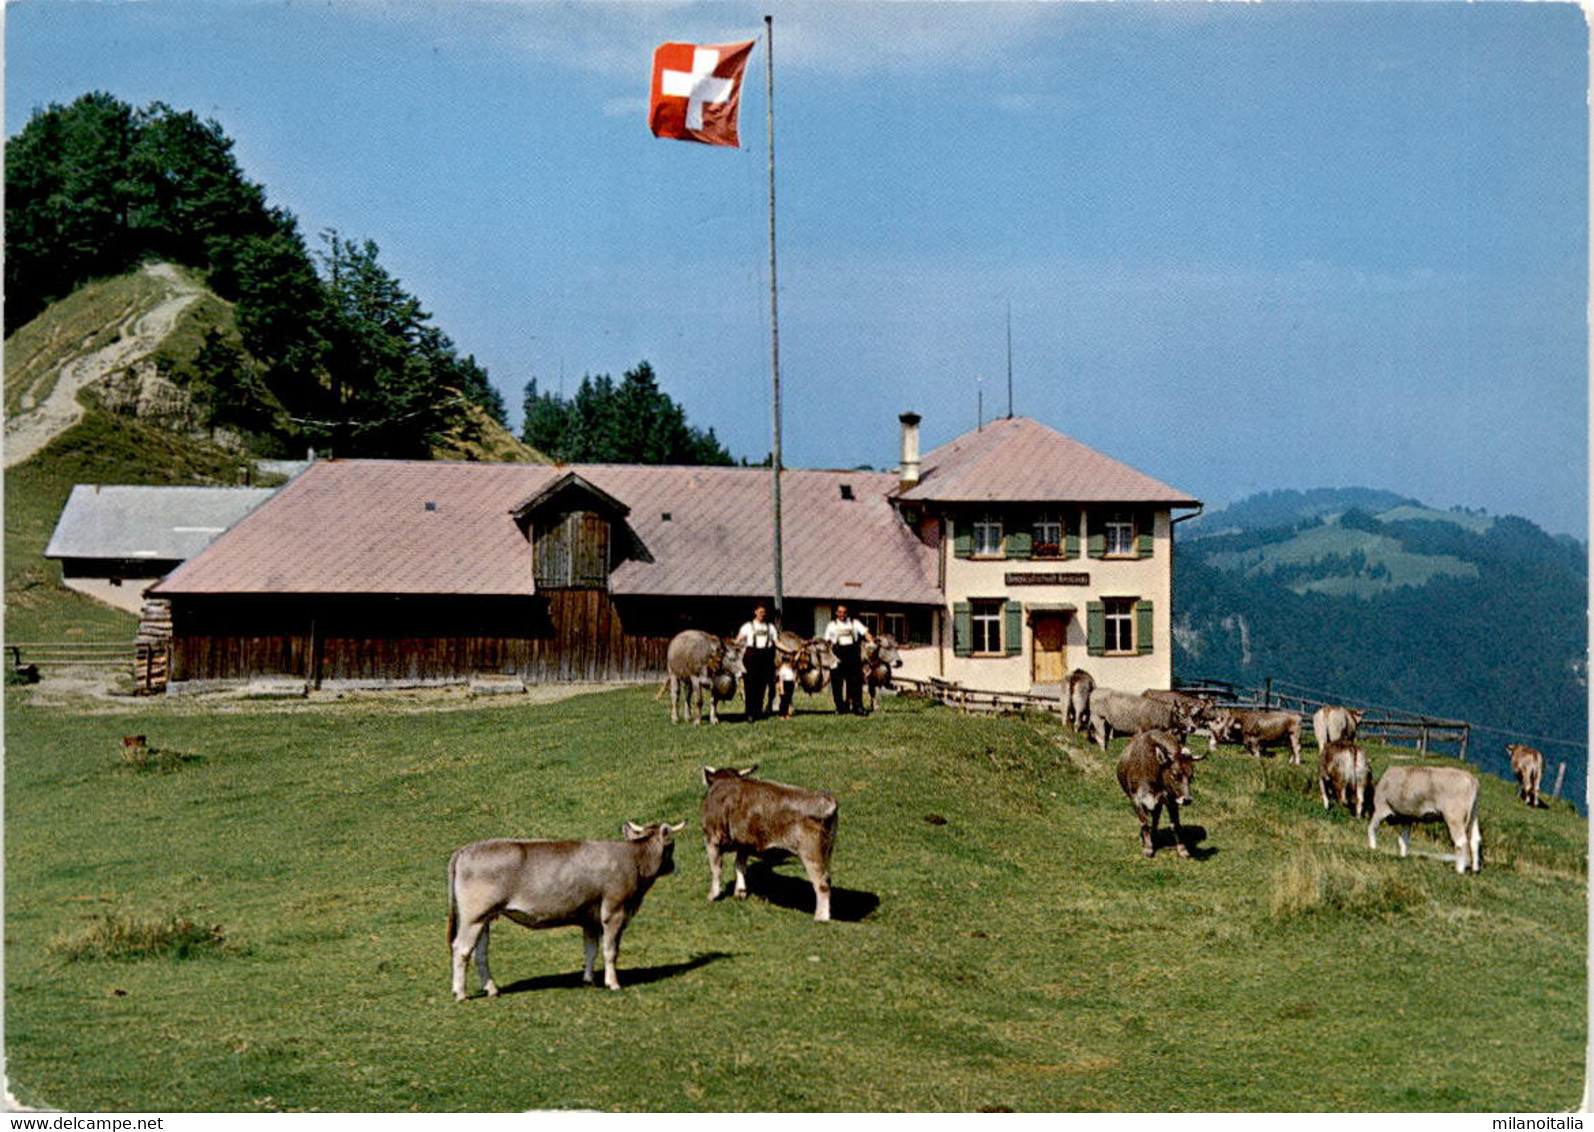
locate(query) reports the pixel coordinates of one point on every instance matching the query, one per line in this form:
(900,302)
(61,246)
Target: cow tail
(829,828)
(453,905)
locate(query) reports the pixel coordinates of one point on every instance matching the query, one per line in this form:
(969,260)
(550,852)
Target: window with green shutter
(1143,627)
(1020,544)
(1095,627)
(1071,535)
(1013,630)
(962,538)
(1145,530)
(1095,541)
(962,627)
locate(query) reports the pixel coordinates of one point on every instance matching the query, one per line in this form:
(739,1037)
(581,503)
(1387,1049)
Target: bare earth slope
(48,410)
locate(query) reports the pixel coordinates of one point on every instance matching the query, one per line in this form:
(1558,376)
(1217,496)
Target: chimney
(908,471)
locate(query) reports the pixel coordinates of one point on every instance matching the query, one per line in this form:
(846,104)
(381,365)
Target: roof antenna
(1010,360)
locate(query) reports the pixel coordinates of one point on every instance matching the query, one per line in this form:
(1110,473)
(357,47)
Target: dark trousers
(758,681)
(846,680)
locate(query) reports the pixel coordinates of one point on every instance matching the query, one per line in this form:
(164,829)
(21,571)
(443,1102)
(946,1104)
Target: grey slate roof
(158,523)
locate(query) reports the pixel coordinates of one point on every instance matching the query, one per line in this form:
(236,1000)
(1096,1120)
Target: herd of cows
(599,885)
(700,664)
(1157,766)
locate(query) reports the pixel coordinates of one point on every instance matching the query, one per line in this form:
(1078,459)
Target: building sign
(1052,579)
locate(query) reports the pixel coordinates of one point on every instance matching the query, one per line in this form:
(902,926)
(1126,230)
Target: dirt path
(137,337)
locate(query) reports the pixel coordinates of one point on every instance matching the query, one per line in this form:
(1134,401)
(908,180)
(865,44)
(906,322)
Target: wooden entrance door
(1049,658)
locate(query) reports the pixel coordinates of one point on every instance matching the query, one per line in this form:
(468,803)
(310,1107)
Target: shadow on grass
(848,905)
(629,976)
(1194,835)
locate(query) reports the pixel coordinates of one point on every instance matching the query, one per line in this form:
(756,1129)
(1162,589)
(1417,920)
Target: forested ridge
(1497,636)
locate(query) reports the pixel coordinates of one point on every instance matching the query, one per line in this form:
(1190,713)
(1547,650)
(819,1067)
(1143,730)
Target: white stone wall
(1143,578)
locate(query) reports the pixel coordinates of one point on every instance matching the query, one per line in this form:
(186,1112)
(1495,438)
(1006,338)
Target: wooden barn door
(1049,656)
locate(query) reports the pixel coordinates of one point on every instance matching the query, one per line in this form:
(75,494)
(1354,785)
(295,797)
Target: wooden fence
(67,654)
(1388,725)
(1424,732)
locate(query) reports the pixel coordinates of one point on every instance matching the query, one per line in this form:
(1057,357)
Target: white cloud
(824,36)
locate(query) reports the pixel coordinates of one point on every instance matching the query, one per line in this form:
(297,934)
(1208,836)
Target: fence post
(1560,773)
(1267,693)
(1466,736)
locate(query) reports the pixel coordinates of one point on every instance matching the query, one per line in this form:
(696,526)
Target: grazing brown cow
(1125,713)
(1199,710)
(1528,765)
(1423,793)
(1257,729)
(1342,773)
(1155,772)
(594,885)
(756,818)
(1331,724)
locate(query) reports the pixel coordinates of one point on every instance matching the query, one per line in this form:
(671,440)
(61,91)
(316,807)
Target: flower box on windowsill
(1046,550)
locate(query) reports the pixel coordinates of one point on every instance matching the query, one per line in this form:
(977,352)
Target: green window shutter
(1020,544)
(1145,530)
(962,628)
(1013,628)
(1095,627)
(1071,536)
(962,538)
(1143,625)
(1096,544)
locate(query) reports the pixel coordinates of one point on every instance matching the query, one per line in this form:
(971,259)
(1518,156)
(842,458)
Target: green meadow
(251,916)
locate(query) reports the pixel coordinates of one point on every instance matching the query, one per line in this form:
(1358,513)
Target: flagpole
(778,595)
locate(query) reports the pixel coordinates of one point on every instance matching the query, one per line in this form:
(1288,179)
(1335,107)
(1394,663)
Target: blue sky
(1245,246)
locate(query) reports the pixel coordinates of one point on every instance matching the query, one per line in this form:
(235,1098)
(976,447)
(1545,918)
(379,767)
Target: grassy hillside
(1337,560)
(999,941)
(102,448)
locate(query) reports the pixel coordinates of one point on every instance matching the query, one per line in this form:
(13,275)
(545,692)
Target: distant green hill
(1454,613)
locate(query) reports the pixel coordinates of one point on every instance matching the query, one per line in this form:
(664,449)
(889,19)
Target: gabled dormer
(577,533)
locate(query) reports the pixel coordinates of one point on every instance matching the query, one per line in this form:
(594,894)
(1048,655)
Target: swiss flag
(697,89)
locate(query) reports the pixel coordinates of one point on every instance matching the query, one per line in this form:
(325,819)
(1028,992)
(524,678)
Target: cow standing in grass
(1332,724)
(1426,793)
(752,817)
(694,660)
(1155,772)
(1528,765)
(1342,774)
(880,656)
(1257,730)
(1123,713)
(1080,685)
(594,885)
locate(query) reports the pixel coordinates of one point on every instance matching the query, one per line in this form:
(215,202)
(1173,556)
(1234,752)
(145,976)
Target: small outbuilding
(114,540)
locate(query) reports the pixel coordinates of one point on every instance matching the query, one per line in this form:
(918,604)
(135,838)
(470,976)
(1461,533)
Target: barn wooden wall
(563,635)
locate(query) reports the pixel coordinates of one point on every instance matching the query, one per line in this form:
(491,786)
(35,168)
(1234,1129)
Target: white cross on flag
(697,89)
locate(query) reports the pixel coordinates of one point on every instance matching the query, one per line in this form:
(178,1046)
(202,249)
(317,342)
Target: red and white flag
(697,89)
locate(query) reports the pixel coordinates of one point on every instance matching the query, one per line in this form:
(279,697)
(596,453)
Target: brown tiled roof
(376,526)
(364,526)
(718,538)
(1018,460)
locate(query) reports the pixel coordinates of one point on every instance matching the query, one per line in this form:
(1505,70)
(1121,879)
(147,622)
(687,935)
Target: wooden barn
(370,572)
